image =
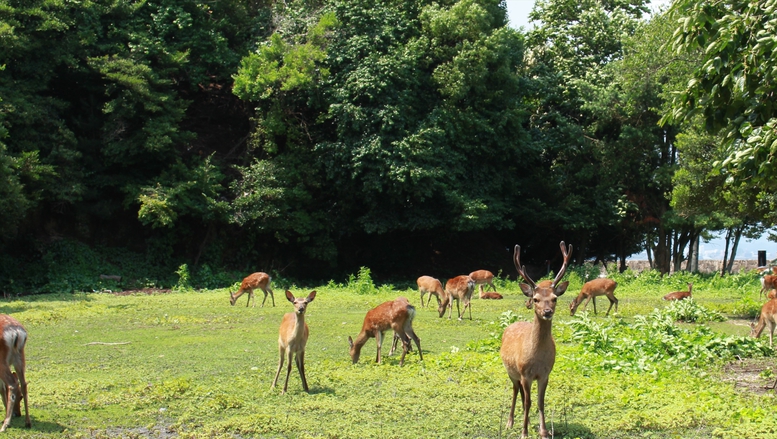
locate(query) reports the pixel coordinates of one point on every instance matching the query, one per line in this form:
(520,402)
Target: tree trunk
(725,253)
(693,254)
(737,237)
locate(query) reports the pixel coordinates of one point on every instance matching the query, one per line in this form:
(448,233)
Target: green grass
(189,364)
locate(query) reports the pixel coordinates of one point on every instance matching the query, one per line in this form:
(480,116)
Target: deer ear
(311,296)
(561,288)
(289,296)
(527,291)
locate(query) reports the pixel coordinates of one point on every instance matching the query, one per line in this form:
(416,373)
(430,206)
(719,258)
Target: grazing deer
(14,382)
(397,315)
(460,289)
(483,277)
(428,284)
(528,350)
(256,280)
(768,318)
(768,282)
(593,288)
(680,295)
(292,338)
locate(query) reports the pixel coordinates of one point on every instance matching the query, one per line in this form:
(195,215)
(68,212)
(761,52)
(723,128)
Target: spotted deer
(250,283)
(398,315)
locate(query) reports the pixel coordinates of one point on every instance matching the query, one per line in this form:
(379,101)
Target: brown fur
(14,383)
(253,281)
(768,282)
(428,284)
(483,277)
(768,318)
(460,289)
(398,315)
(292,338)
(680,295)
(528,350)
(593,288)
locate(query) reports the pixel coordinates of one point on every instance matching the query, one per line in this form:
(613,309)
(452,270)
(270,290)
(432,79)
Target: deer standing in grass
(428,284)
(528,349)
(460,289)
(14,382)
(768,282)
(680,295)
(397,315)
(253,281)
(768,318)
(485,277)
(292,338)
(591,289)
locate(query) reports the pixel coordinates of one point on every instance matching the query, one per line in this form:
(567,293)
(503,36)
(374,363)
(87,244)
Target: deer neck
(541,331)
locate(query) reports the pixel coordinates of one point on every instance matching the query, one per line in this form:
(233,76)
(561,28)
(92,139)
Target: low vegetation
(184,363)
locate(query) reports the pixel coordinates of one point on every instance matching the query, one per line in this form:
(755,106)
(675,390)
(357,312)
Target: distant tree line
(310,138)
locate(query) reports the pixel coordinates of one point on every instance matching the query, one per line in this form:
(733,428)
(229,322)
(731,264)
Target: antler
(567,256)
(522,269)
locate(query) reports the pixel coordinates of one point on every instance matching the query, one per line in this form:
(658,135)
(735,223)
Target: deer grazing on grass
(292,338)
(768,282)
(680,295)
(528,350)
(460,289)
(768,318)
(593,288)
(428,284)
(253,281)
(397,315)
(14,382)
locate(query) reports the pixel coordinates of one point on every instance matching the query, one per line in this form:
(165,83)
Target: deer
(460,289)
(428,284)
(528,350)
(768,282)
(768,318)
(396,314)
(292,338)
(680,295)
(250,283)
(483,277)
(14,382)
(597,287)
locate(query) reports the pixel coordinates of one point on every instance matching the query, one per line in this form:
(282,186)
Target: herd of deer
(528,350)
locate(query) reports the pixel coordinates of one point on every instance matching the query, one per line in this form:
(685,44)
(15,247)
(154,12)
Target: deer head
(543,296)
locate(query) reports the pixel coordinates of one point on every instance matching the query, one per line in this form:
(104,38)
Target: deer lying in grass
(528,350)
(428,284)
(680,295)
(253,281)
(593,288)
(460,289)
(14,382)
(768,282)
(292,338)
(768,318)
(397,315)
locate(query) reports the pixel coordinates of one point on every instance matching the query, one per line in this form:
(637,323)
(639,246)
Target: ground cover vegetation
(186,364)
(307,137)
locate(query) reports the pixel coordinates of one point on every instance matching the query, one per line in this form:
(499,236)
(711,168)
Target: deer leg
(469,305)
(613,301)
(417,342)
(511,416)
(594,299)
(10,389)
(280,366)
(492,286)
(251,296)
(405,345)
(272,296)
(265,298)
(379,341)
(301,368)
(526,394)
(458,310)
(422,299)
(23,387)
(542,385)
(288,371)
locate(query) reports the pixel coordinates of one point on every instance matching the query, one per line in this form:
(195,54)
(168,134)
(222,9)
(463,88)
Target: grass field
(187,364)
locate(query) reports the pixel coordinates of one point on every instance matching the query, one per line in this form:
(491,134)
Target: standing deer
(768,282)
(292,338)
(428,284)
(483,277)
(680,295)
(528,350)
(14,382)
(397,315)
(460,289)
(768,318)
(593,288)
(256,280)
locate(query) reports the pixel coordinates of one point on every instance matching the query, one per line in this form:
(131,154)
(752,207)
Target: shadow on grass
(564,429)
(17,426)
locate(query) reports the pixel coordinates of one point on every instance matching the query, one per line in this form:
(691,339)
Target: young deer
(680,295)
(292,338)
(14,383)
(591,289)
(256,280)
(768,318)
(483,277)
(428,284)
(460,289)
(768,282)
(397,315)
(528,350)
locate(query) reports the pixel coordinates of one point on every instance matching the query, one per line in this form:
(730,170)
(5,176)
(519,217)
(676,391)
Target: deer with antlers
(292,338)
(14,382)
(250,283)
(591,289)
(528,350)
(396,314)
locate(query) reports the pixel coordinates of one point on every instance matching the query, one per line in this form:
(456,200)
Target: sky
(518,14)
